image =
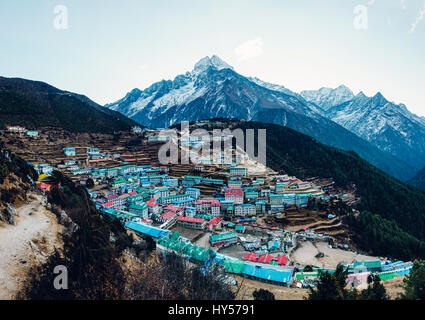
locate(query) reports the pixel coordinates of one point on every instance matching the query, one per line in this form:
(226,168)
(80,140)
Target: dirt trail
(26,244)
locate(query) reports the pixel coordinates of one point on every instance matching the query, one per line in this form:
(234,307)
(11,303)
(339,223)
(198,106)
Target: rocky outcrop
(8,214)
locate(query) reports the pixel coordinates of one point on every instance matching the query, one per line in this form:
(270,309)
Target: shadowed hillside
(35,104)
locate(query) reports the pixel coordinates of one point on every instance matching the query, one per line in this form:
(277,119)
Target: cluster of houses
(93,154)
(150,194)
(150,202)
(19,129)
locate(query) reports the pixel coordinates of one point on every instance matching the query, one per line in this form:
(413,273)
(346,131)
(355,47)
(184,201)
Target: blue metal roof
(283,275)
(146,229)
(107,210)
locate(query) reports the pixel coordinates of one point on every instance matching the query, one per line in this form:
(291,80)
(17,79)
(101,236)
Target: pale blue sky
(114,46)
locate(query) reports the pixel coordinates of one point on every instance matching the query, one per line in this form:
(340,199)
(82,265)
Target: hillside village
(252,221)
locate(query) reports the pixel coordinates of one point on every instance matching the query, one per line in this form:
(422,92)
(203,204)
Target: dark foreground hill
(35,104)
(419,179)
(16,178)
(392,221)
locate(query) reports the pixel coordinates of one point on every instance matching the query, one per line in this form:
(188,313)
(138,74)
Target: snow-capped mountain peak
(328,97)
(214,90)
(390,127)
(213,62)
(379,98)
(361,95)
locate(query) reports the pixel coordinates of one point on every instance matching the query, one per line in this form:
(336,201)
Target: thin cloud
(250,49)
(403,4)
(418,19)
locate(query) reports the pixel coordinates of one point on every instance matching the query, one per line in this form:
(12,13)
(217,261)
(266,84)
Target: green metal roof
(234,266)
(367,263)
(240,228)
(175,236)
(203,216)
(142,206)
(222,236)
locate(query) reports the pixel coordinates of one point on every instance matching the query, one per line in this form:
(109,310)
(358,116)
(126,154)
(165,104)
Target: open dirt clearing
(394,287)
(305,255)
(248,286)
(26,244)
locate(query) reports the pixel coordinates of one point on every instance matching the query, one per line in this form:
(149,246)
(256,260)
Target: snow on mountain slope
(214,85)
(213,90)
(390,127)
(327,97)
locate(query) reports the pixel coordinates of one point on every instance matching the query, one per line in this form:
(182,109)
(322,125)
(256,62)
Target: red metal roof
(173,208)
(265,258)
(212,202)
(234,194)
(215,220)
(282,260)
(253,257)
(100,160)
(189,219)
(168,215)
(152,203)
(108,204)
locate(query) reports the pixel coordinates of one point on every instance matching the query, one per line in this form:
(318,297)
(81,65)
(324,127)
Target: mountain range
(388,126)
(213,89)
